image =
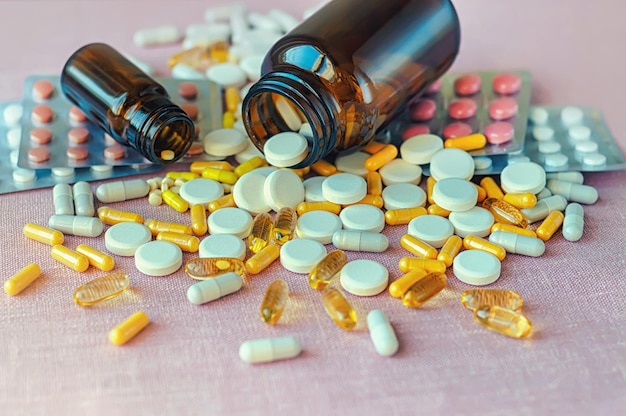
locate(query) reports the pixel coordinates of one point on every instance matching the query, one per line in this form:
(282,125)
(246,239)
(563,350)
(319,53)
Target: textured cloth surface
(55,357)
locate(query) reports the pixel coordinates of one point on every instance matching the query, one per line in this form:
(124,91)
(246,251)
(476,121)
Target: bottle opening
(171,141)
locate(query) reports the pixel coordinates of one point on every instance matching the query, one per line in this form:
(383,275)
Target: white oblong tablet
(225,142)
(301,254)
(523,177)
(248,193)
(451,163)
(454,194)
(14,137)
(286,149)
(432,229)
(158,258)
(222,245)
(318,225)
(511,159)
(594,159)
(382,334)
(362,217)
(556,160)
(125,238)
(201,191)
(269,349)
(227,75)
(400,171)
(352,163)
(364,277)
(586,146)
(344,188)
(476,267)
(549,146)
(230,220)
(313,189)
(476,221)
(420,149)
(283,188)
(288,113)
(403,195)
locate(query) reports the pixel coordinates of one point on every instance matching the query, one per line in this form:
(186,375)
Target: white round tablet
(222,245)
(230,220)
(14,137)
(158,258)
(482,163)
(511,159)
(586,146)
(344,188)
(352,163)
(23,175)
(571,115)
(286,149)
(201,191)
(400,171)
(248,153)
(301,254)
(433,229)
(523,177)
(420,149)
(13,114)
(318,225)
(454,194)
(555,160)
(125,238)
(594,159)
(549,146)
(543,133)
(283,188)
(248,192)
(538,115)
(476,267)
(403,195)
(476,221)
(364,277)
(362,217)
(225,142)
(227,75)
(313,189)
(579,133)
(452,163)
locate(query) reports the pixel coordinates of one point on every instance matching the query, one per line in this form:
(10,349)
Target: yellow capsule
(472,142)
(182,175)
(418,247)
(430,185)
(222,202)
(373,147)
(508,299)
(199,225)
(22,279)
(505,213)
(218,52)
(472,242)
(261,232)
(512,229)
(111,216)
(197,57)
(231,97)
(381,158)
(127,330)
(339,309)
(424,289)
(302,172)
(156,226)
(274,301)
(403,215)
(324,271)
(407,264)
(198,167)
(504,321)
(374,183)
(398,287)
(102,288)
(204,268)
(249,165)
(175,201)
(186,242)
(305,207)
(262,260)
(228,120)
(96,258)
(450,249)
(434,209)
(374,200)
(491,187)
(284,225)
(482,194)
(224,176)
(523,200)
(550,225)
(324,168)
(70,258)
(43,234)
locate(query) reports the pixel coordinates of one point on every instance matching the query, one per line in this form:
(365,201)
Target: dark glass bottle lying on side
(350,69)
(129,105)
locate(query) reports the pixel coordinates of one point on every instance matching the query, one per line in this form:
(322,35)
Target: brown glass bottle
(126,103)
(351,68)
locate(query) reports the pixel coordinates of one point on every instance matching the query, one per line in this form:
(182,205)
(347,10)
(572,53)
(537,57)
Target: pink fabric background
(55,357)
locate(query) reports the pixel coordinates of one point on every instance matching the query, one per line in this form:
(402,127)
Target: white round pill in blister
(23,175)
(286,149)
(403,195)
(512,159)
(364,277)
(577,133)
(230,220)
(454,194)
(352,163)
(538,115)
(344,188)
(158,258)
(222,245)
(482,163)
(313,189)
(227,75)
(586,146)
(362,217)
(318,225)
(125,238)
(571,115)
(283,188)
(14,137)
(12,114)
(433,229)
(476,267)
(201,191)
(476,221)
(549,146)
(594,159)
(556,160)
(523,177)
(452,163)
(225,142)
(420,149)
(400,171)
(543,133)
(301,254)
(248,193)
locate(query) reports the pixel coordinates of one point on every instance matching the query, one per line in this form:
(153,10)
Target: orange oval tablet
(40,135)
(78,135)
(42,89)
(42,114)
(38,154)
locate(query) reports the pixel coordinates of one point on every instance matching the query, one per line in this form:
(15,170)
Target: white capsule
(122,190)
(382,334)
(574,192)
(354,240)
(224,12)
(544,193)
(574,177)
(182,71)
(63,200)
(215,288)
(574,222)
(518,244)
(544,207)
(284,19)
(161,35)
(238,26)
(216,31)
(83,199)
(269,349)
(73,225)
(263,21)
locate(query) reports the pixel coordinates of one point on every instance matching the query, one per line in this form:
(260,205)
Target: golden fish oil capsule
(482,194)
(472,142)
(231,98)
(523,200)
(102,288)
(339,309)
(96,258)
(508,299)
(324,271)
(284,225)
(324,168)
(424,289)
(262,260)
(381,158)
(112,216)
(43,234)
(418,247)
(472,242)
(186,242)
(261,232)
(434,209)
(156,226)
(550,225)
(504,321)
(407,264)
(249,165)
(450,249)
(175,201)
(225,201)
(274,301)
(398,287)
(305,207)
(182,175)
(508,228)
(374,200)
(403,215)
(228,120)
(198,167)
(22,279)
(219,175)
(374,183)
(128,329)
(505,213)
(206,268)
(199,225)
(491,187)
(430,185)
(70,258)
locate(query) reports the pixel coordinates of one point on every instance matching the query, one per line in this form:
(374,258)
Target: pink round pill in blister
(423,110)
(40,135)
(195,149)
(507,83)
(434,87)
(191,110)
(76,115)
(42,89)
(467,84)
(499,132)
(77,152)
(503,108)
(42,114)
(188,90)
(457,129)
(415,130)
(38,154)
(116,151)
(462,108)
(78,135)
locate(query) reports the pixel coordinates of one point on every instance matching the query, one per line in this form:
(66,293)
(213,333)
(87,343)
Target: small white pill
(155,197)
(454,194)
(313,189)
(571,176)
(161,35)
(248,193)
(227,75)
(512,159)
(250,151)
(222,245)
(64,172)
(400,171)
(282,189)
(360,241)
(263,21)
(432,229)
(183,71)
(543,133)
(594,159)
(549,146)
(22,175)
(224,12)
(12,114)
(215,288)
(382,334)
(452,163)
(344,188)
(420,149)
(63,199)
(476,267)
(539,115)
(251,65)
(556,160)
(286,149)
(318,225)
(544,207)
(518,244)
(353,163)
(573,192)
(482,163)
(403,195)
(76,225)
(158,258)
(201,191)
(362,217)
(122,190)
(284,19)
(578,133)
(230,220)
(14,137)
(574,222)
(476,221)
(125,238)
(83,199)
(269,349)
(364,277)
(571,115)
(586,146)
(301,255)
(225,142)
(523,177)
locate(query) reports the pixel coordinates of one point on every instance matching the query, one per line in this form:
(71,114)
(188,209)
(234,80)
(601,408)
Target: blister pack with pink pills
(56,134)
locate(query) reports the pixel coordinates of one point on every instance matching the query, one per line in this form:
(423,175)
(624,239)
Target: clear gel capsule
(450,249)
(324,271)
(508,299)
(550,225)
(424,289)
(212,289)
(83,199)
(96,258)
(186,242)
(70,258)
(382,334)
(262,260)
(208,268)
(472,242)
(398,287)
(365,241)
(544,207)
(175,201)
(63,199)
(22,279)
(518,244)
(102,288)
(261,232)
(43,234)
(504,212)
(284,225)
(574,222)
(128,329)
(156,227)
(112,216)
(122,190)
(274,301)
(418,247)
(407,264)
(199,224)
(75,225)
(339,309)
(504,321)
(269,349)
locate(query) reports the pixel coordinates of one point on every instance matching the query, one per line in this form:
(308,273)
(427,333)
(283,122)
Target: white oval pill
(476,267)
(518,244)
(382,334)
(476,221)
(251,65)
(248,192)
(283,188)
(14,137)
(344,188)
(76,225)
(227,75)
(352,163)
(230,220)
(571,115)
(360,241)
(250,151)
(594,159)
(364,277)
(432,229)
(577,133)
(269,349)
(158,258)
(454,194)
(586,146)
(215,288)
(301,255)
(452,163)
(13,114)
(83,199)
(288,113)
(573,192)
(182,71)
(403,195)
(222,245)
(362,217)
(122,190)
(125,238)
(201,191)
(400,171)
(286,149)
(318,225)
(225,142)
(523,177)
(574,222)
(420,149)
(63,199)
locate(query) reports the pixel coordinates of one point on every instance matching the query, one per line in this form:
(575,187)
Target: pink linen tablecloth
(55,357)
